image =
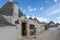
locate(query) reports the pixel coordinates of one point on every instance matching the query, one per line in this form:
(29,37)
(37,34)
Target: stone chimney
(15,10)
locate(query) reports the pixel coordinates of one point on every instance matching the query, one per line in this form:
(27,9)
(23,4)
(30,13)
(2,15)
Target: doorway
(24,31)
(33,29)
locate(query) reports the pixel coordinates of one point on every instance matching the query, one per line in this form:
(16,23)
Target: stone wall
(8,33)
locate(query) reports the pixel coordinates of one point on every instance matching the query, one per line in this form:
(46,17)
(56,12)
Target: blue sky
(44,10)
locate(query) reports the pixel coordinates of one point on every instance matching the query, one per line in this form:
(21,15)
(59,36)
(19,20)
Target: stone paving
(36,37)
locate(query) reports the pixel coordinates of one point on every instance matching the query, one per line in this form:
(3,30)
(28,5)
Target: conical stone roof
(7,9)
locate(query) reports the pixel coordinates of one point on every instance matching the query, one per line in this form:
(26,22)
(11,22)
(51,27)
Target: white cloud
(47,1)
(40,19)
(24,11)
(54,11)
(55,0)
(31,16)
(43,19)
(29,8)
(46,19)
(10,0)
(56,21)
(57,18)
(41,8)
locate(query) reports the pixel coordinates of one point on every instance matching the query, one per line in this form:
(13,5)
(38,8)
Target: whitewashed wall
(8,33)
(59,26)
(42,27)
(39,27)
(23,18)
(31,22)
(8,18)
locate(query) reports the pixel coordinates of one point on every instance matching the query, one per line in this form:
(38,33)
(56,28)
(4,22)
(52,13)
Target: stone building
(17,24)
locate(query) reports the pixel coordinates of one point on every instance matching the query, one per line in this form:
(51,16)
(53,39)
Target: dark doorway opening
(24,32)
(33,29)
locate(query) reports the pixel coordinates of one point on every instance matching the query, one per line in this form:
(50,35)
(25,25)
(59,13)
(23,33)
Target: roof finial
(10,0)
(35,16)
(30,15)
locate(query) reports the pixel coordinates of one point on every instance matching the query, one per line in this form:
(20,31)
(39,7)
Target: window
(32,26)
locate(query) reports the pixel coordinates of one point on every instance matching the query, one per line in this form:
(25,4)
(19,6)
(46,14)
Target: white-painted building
(19,24)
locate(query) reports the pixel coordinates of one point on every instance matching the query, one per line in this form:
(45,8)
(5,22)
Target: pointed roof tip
(30,17)
(10,0)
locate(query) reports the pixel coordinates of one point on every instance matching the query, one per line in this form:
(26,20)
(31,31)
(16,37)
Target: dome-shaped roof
(51,22)
(35,18)
(31,18)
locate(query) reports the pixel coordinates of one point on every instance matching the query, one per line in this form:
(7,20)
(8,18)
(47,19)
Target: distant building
(51,24)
